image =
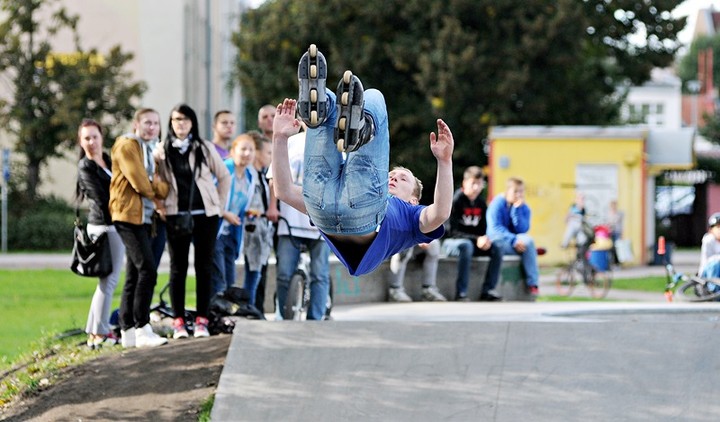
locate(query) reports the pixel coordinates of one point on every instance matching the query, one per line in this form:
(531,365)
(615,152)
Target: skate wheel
(340,145)
(346,76)
(313,117)
(313,95)
(345,99)
(341,123)
(313,71)
(313,50)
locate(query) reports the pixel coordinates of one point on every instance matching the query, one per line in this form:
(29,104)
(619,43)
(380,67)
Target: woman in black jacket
(94,171)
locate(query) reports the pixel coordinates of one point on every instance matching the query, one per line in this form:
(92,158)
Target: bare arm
(272,213)
(442,146)
(284,126)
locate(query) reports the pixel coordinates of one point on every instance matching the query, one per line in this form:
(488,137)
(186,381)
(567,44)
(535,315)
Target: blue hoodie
(237,231)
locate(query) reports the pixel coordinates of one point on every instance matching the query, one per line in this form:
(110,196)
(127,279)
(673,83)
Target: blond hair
(417,192)
(242,137)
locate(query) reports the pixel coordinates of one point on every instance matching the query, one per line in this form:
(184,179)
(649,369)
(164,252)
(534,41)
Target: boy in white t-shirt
(710,250)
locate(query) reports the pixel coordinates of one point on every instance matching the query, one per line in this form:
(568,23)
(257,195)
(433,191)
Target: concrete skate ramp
(552,363)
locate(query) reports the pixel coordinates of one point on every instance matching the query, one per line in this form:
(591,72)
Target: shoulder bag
(182,224)
(90,257)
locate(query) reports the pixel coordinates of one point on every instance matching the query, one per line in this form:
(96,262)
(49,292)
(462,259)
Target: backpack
(233,302)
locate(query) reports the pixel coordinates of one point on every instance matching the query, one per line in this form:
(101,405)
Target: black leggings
(203,238)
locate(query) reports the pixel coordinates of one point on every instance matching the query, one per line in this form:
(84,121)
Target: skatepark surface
(632,357)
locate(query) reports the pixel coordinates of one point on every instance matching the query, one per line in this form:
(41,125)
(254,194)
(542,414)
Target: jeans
(223,274)
(158,242)
(399,262)
(203,238)
(252,280)
(711,270)
(260,291)
(465,249)
(528,259)
(98,321)
(140,275)
(347,196)
(287,261)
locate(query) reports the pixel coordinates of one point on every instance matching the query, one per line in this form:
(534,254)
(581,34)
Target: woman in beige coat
(199,184)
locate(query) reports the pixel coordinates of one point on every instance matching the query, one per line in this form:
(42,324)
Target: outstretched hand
(442,144)
(285,123)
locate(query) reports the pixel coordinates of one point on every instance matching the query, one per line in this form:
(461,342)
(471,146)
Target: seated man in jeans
(346,195)
(468,237)
(508,225)
(398,266)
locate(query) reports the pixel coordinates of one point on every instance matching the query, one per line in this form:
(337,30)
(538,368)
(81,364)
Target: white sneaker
(201,327)
(397,294)
(432,294)
(145,337)
(127,338)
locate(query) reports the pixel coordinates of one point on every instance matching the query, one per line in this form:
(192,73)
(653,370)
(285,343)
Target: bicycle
(298,296)
(692,288)
(579,269)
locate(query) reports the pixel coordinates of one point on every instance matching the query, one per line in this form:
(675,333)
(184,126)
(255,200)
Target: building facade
(182,51)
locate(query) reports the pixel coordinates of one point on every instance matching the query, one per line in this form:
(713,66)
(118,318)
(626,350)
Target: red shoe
(533,291)
(179,330)
(200,328)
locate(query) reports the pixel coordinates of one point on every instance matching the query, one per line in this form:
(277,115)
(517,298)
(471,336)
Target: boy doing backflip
(364,213)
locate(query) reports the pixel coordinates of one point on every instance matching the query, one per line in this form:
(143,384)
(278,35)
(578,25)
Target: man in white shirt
(288,254)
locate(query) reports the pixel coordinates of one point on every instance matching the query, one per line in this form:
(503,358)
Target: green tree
(475,63)
(688,64)
(51,91)
(688,70)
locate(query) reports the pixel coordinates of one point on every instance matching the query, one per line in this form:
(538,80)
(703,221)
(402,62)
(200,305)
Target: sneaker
(127,338)
(397,294)
(432,294)
(533,291)
(354,127)
(146,337)
(489,297)
(462,297)
(201,327)
(179,329)
(312,100)
(96,341)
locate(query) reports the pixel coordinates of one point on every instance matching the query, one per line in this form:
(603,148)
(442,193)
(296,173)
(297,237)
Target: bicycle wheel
(566,280)
(293,309)
(599,284)
(693,291)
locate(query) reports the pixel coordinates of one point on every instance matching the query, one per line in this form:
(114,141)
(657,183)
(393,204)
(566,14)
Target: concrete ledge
(374,287)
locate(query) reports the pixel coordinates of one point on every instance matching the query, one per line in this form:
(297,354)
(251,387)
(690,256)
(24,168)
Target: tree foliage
(688,64)
(52,91)
(474,63)
(688,71)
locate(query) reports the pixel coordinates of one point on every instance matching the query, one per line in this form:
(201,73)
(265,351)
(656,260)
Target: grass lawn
(646,284)
(40,303)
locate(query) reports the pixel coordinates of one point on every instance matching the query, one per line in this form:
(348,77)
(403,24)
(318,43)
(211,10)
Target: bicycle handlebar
(293,238)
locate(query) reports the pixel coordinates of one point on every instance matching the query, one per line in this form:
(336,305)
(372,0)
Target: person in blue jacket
(508,219)
(230,231)
(365,213)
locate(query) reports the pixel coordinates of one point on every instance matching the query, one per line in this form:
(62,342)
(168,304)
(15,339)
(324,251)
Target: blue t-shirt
(399,230)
